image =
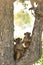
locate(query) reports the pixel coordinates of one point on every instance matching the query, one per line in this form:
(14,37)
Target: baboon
(18,49)
(27,39)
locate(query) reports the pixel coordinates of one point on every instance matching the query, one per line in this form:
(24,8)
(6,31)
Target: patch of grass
(40,61)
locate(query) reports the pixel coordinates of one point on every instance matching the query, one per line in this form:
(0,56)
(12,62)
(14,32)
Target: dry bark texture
(6,32)
(6,37)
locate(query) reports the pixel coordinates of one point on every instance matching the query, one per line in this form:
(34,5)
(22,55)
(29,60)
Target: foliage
(21,18)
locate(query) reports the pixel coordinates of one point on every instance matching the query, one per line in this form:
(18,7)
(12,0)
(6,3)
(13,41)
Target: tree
(6,37)
(6,32)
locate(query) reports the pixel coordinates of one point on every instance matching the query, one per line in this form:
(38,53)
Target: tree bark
(6,32)
(41,9)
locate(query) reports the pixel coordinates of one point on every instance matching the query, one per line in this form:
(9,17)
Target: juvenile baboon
(18,49)
(27,39)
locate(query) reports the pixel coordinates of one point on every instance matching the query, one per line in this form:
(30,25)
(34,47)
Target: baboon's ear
(20,38)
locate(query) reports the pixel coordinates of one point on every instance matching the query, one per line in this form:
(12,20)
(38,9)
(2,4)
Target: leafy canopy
(22,18)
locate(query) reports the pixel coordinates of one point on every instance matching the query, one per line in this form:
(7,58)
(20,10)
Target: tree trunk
(41,18)
(6,32)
